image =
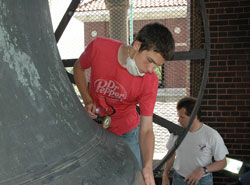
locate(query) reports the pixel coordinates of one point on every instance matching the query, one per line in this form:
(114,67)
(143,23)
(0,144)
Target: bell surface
(46,136)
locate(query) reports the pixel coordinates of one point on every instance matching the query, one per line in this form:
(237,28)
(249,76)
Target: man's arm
(81,83)
(147,141)
(168,165)
(217,165)
(197,174)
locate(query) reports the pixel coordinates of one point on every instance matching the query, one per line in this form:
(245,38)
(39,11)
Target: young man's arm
(197,174)
(81,82)
(168,165)
(147,141)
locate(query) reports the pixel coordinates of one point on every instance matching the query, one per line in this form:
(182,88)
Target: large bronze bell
(46,137)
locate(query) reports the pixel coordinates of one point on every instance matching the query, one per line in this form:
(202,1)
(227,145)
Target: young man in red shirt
(123,76)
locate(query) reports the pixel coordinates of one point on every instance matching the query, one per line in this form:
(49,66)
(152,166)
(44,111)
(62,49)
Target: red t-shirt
(121,89)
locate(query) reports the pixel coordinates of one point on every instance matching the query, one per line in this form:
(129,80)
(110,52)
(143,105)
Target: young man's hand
(148,176)
(91,110)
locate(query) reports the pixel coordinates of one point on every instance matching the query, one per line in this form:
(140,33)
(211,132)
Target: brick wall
(226,102)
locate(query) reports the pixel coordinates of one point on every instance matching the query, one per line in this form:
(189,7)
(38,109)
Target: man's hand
(148,176)
(194,177)
(165,179)
(91,110)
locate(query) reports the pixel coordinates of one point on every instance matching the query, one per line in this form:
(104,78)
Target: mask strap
(129,53)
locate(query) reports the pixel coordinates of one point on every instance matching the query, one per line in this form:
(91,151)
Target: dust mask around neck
(132,67)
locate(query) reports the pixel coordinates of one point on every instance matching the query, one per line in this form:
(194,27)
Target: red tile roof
(95,5)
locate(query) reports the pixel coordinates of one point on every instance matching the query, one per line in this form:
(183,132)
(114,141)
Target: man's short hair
(188,103)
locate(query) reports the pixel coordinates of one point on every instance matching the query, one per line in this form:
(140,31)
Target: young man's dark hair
(153,37)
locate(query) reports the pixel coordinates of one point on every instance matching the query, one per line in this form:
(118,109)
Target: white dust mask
(132,67)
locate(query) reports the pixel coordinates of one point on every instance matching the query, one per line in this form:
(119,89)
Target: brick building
(226,104)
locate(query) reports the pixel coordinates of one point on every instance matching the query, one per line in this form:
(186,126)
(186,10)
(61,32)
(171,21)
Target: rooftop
(95,5)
